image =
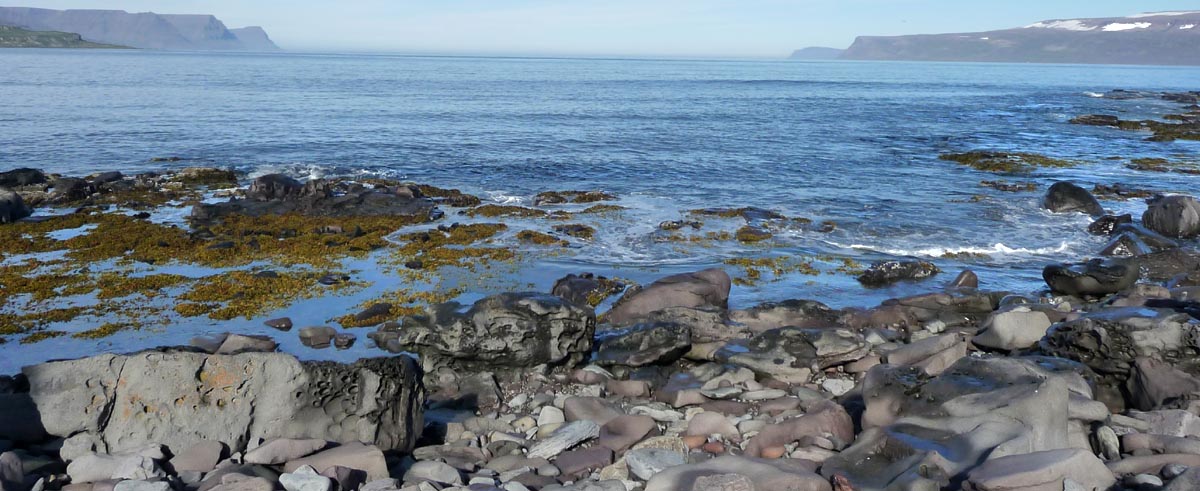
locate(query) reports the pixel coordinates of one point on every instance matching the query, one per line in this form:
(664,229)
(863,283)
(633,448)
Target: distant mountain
(817,53)
(1162,38)
(140,30)
(15,37)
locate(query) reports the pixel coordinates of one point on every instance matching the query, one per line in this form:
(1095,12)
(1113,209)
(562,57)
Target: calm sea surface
(855,143)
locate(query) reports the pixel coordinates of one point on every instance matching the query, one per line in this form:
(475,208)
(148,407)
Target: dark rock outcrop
(1173,216)
(1065,197)
(703,289)
(1094,278)
(884,273)
(12,207)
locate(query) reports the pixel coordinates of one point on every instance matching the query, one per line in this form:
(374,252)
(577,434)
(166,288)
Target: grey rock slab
(305,479)
(354,455)
(792,475)
(1038,469)
(142,486)
(434,471)
(564,438)
(646,462)
(201,457)
(1017,328)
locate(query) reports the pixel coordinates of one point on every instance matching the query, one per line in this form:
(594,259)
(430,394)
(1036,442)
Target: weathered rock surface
(186,398)
(643,344)
(279,195)
(1095,278)
(703,289)
(507,331)
(1173,216)
(884,273)
(1041,470)
(791,475)
(1014,328)
(791,354)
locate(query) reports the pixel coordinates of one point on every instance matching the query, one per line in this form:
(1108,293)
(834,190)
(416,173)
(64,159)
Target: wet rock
(564,438)
(352,455)
(273,187)
(237,343)
(643,344)
(1065,197)
(344,340)
(376,311)
(281,450)
(791,354)
(672,225)
(792,475)
(319,337)
(703,289)
(70,189)
(1125,244)
(1173,216)
(507,331)
(1096,120)
(788,313)
(12,207)
(1042,470)
(21,177)
(576,230)
(1107,223)
(883,273)
(186,398)
(278,195)
(1013,329)
(586,288)
(1094,278)
(965,279)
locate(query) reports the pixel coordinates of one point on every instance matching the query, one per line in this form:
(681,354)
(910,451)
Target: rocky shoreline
(597,384)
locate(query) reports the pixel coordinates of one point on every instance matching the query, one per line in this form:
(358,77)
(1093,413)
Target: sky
(706,28)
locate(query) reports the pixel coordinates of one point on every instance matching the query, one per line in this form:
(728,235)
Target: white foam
(1164,14)
(1118,26)
(998,249)
(505,199)
(1097,95)
(985,38)
(297,170)
(1189,26)
(1066,25)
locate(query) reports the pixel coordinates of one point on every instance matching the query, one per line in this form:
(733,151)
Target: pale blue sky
(750,28)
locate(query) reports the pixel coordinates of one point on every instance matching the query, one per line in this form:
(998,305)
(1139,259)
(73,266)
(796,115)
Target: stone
(646,462)
(1013,329)
(509,331)
(883,273)
(237,343)
(643,344)
(1041,470)
(837,386)
(1110,445)
(273,187)
(711,423)
(317,337)
(381,485)
(593,409)
(791,475)
(623,432)
(586,288)
(1065,197)
(434,471)
(723,482)
(12,207)
(281,450)
(564,438)
(200,457)
(1173,216)
(12,471)
(1188,481)
(790,354)
(1095,278)
(282,323)
(305,478)
(628,388)
(21,177)
(344,340)
(579,463)
(185,398)
(965,279)
(345,478)
(1106,224)
(1153,383)
(93,468)
(353,455)
(702,289)
(550,415)
(142,486)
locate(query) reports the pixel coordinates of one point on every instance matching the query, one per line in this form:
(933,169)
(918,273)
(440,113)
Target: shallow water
(855,143)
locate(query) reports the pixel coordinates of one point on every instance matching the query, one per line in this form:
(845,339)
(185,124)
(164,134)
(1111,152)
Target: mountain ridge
(145,30)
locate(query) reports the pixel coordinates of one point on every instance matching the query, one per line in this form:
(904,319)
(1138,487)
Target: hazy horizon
(669,28)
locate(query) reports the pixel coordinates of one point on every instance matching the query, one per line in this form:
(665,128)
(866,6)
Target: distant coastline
(15,37)
(143,30)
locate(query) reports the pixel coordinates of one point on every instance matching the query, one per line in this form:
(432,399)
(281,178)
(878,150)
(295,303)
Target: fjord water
(855,143)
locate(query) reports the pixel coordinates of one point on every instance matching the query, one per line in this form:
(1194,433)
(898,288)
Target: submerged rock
(884,273)
(187,398)
(1065,197)
(1174,216)
(586,288)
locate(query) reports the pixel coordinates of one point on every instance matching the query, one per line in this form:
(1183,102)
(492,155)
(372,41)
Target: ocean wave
(998,249)
(1096,95)
(296,170)
(505,199)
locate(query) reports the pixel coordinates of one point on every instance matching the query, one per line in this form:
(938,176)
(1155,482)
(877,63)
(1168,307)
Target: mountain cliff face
(254,38)
(139,30)
(817,53)
(1164,38)
(15,37)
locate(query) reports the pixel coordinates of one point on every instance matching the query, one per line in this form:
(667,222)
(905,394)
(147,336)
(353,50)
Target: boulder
(643,344)
(1173,216)
(200,457)
(1041,471)
(278,195)
(21,177)
(1095,278)
(12,207)
(1107,223)
(187,398)
(507,331)
(273,187)
(353,455)
(1013,328)
(1065,197)
(788,313)
(281,450)
(703,289)
(586,288)
(69,189)
(884,273)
